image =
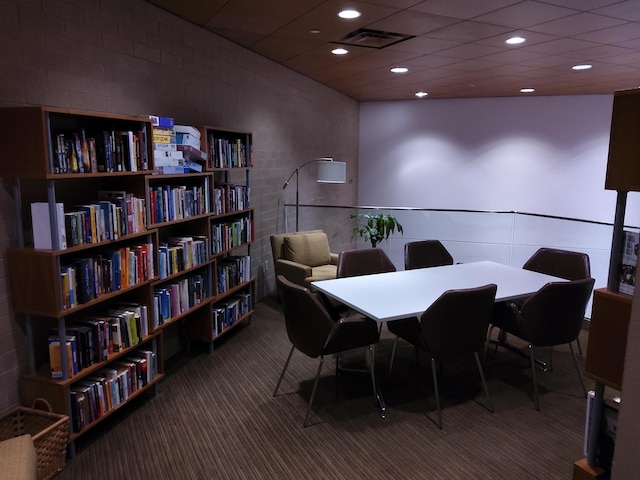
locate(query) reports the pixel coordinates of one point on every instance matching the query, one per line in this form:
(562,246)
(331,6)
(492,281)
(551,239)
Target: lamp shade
(330,171)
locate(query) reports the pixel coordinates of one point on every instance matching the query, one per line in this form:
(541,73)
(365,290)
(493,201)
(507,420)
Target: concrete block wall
(130,57)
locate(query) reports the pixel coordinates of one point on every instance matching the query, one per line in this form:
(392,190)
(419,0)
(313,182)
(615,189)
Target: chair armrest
(506,315)
(292,271)
(334,259)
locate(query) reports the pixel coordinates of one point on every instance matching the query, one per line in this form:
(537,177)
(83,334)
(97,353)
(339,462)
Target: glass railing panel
(505,237)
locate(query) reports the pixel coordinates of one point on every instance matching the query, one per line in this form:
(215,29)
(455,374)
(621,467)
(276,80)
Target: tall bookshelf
(84,292)
(106,215)
(612,309)
(229,159)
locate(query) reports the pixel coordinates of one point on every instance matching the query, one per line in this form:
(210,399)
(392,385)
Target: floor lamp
(329,171)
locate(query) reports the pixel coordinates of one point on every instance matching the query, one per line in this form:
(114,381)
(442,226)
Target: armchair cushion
(18,458)
(311,249)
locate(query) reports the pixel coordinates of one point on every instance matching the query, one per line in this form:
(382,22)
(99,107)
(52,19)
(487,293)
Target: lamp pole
(296,173)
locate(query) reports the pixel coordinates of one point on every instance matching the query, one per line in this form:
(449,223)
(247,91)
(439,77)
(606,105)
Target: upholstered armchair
(303,257)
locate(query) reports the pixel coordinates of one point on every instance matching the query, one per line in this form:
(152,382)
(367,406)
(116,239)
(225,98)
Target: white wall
(542,155)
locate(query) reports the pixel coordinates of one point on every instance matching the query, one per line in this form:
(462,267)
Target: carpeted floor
(215,418)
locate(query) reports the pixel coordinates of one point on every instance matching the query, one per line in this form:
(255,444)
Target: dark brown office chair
(352,263)
(455,325)
(316,331)
(560,263)
(550,317)
(426,253)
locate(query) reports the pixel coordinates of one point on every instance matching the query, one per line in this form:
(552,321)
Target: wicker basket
(50,433)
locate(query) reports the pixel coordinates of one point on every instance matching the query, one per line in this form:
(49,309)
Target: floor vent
(364,37)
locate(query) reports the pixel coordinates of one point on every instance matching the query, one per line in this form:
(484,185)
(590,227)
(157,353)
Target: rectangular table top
(391,296)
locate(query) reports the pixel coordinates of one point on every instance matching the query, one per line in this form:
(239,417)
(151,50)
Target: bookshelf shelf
(151,385)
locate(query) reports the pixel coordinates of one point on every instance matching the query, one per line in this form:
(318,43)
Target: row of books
(225,236)
(175,298)
(86,278)
(181,253)
(233,271)
(113,215)
(227,313)
(170,202)
(230,198)
(226,153)
(95,338)
(96,395)
(104,151)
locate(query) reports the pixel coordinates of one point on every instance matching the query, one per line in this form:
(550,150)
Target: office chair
(559,263)
(316,331)
(367,261)
(352,263)
(455,325)
(426,253)
(550,317)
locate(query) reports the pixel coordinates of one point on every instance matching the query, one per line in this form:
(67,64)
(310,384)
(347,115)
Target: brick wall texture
(130,57)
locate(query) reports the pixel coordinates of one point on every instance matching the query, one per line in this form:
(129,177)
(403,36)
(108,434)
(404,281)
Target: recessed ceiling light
(349,14)
(421,94)
(585,66)
(399,69)
(515,40)
(527,90)
(314,30)
(339,51)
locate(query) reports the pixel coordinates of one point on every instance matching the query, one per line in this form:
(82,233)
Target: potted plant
(375,227)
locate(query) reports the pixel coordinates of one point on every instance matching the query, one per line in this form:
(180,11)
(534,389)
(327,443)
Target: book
(192,153)
(162,122)
(42,225)
(55,359)
(628,262)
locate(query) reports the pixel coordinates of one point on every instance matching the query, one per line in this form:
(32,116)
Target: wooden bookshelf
(42,170)
(611,309)
(608,337)
(231,232)
(66,156)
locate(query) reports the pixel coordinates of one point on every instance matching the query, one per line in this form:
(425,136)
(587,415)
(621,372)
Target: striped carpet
(215,418)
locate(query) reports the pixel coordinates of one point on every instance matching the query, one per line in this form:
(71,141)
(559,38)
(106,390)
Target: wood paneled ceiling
(457,48)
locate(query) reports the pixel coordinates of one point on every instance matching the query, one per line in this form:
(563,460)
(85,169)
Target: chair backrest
(353,263)
(426,253)
(554,314)
(277,242)
(456,323)
(560,263)
(307,320)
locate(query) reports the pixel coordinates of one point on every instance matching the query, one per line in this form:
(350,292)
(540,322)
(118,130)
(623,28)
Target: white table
(408,293)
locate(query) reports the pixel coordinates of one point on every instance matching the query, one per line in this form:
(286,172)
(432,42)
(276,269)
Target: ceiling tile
(467,32)
(619,33)
(471,50)
(582,5)
(462,9)
(628,10)
(576,24)
(525,14)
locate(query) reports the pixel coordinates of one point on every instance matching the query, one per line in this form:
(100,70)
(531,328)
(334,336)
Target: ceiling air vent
(364,37)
